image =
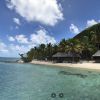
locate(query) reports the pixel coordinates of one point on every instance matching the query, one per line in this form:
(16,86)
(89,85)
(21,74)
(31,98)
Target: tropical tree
(74,45)
(42,51)
(88,47)
(49,51)
(55,49)
(62,45)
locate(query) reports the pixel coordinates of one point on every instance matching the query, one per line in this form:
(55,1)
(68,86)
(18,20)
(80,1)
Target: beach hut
(65,57)
(96,56)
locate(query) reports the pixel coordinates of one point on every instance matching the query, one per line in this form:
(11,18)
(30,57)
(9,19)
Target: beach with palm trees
(79,51)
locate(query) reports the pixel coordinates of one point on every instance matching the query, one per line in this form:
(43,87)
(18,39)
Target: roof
(59,54)
(97,54)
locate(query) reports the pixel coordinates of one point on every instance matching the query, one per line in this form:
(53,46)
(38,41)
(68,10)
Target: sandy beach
(84,65)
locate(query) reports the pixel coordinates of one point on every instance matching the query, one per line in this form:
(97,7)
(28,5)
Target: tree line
(85,46)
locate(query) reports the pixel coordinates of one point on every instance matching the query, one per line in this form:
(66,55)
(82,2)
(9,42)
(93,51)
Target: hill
(89,32)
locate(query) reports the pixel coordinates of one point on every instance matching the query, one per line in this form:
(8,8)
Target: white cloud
(91,22)
(10,38)
(74,29)
(3,47)
(21,39)
(22,44)
(18,48)
(17,21)
(42,36)
(47,12)
(39,37)
(12,50)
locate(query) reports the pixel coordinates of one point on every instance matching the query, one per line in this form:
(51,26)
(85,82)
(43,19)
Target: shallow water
(38,82)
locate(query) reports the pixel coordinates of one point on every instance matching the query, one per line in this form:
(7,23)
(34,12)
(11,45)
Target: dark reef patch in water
(75,74)
(89,72)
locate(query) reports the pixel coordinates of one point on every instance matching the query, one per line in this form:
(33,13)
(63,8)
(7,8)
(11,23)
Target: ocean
(38,82)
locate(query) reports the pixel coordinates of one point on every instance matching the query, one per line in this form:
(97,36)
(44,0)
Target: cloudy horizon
(28,23)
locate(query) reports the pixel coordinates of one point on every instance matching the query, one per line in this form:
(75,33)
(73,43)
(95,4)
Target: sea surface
(38,82)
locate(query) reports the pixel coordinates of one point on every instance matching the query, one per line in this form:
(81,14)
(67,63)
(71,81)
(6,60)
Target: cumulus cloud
(22,44)
(74,29)
(18,48)
(10,38)
(17,21)
(3,47)
(41,36)
(47,12)
(12,50)
(21,39)
(91,22)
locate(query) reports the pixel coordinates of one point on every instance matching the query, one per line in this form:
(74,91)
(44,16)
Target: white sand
(86,65)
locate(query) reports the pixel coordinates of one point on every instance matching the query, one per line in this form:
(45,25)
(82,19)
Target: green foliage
(83,44)
(93,34)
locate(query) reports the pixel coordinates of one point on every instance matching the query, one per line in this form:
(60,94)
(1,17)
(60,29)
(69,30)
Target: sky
(25,24)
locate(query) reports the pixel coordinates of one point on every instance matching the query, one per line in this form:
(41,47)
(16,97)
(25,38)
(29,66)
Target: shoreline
(84,65)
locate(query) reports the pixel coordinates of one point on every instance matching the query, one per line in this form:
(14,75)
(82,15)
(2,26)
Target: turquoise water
(35,82)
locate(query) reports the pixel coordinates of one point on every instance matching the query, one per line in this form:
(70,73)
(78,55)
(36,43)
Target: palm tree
(74,45)
(49,51)
(42,51)
(88,48)
(95,39)
(55,49)
(36,52)
(62,45)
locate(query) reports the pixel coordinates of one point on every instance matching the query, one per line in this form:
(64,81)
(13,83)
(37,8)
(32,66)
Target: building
(96,56)
(66,57)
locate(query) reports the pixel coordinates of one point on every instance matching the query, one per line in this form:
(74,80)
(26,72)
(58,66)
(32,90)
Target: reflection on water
(35,82)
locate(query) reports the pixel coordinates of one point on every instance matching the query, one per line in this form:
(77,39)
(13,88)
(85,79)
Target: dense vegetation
(93,33)
(83,44)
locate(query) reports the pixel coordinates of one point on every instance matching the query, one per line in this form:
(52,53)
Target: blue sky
(28,23)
